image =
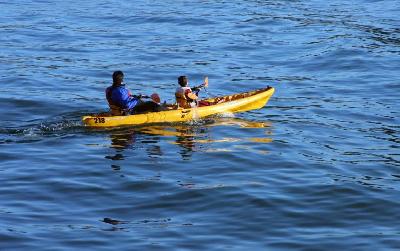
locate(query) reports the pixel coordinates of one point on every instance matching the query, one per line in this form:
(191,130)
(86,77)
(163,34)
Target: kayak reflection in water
(134,139)
(131,139)
(186,137)
(122,102)
(186,141)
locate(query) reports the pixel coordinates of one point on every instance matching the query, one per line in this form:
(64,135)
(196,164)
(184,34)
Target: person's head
(118,77)
(183,81)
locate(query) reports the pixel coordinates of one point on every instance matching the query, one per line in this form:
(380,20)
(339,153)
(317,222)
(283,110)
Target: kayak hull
(225,104)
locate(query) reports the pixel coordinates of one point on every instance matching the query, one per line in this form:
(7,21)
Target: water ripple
(316,169)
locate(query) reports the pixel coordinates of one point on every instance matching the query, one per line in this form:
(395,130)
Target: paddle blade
(206,82)
(155,98)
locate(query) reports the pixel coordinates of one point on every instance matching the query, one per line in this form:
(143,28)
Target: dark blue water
(318,168)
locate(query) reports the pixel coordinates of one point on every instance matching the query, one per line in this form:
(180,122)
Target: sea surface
(318,168)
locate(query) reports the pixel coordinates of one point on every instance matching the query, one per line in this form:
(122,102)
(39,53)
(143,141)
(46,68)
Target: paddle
(155,97)
(205,85)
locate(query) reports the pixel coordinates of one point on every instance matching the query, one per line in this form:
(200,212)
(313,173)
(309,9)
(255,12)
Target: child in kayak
(186,97)
(122,102)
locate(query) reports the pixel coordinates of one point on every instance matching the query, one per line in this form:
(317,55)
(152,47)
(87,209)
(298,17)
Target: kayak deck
(230,103)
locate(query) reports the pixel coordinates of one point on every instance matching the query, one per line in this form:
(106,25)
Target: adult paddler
(122,102)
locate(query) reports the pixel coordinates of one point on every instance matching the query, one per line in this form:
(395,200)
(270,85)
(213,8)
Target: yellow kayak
(240,102)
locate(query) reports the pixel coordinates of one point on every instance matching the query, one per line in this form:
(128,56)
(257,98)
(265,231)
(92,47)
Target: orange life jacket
(185,98)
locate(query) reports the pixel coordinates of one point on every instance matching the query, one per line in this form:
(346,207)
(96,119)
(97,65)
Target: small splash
(214,150)
(196,115)
(226,115)
(223,140)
